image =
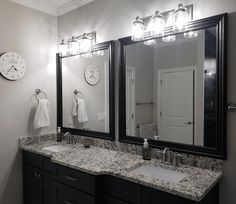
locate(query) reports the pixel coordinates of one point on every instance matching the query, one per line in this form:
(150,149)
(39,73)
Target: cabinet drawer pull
(37,174)
(71,178)
(67,202)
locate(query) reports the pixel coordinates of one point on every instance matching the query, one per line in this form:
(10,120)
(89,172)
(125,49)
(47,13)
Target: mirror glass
(85,88)
(171,92)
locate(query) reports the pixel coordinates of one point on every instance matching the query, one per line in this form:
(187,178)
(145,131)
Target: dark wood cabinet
(38,180)
(152,196)
(122,190)
(68,195)
(112,200)
(33,185)
(119,191)
(48,183)
(77,179)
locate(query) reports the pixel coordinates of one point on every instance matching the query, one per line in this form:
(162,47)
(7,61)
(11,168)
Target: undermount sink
(157,172)
(57,148)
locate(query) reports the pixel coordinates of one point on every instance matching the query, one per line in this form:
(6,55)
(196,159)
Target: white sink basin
(57,148)
(160,173)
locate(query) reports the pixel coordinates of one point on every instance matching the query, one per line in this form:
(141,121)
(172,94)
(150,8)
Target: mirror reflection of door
(187,70)
(130,100)
(176,101)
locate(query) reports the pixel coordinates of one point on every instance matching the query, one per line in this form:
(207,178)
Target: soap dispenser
(146,150)
(59,135)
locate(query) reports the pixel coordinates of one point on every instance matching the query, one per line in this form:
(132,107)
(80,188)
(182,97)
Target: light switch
(101,116)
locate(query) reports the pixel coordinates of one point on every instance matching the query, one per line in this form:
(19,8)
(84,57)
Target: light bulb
(191,34)
(158,24)
(180,18)
(73,46)
(85,44)
(170,38)
(63,48)
(138,29)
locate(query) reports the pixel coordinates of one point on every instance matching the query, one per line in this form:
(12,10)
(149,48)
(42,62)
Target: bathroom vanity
(172,91)
(99,175)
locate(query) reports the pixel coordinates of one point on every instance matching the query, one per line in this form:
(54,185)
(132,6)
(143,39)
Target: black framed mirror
(173,89)
(85,92)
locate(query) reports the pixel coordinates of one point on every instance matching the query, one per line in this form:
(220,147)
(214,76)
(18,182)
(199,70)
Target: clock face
(12,66)
(91,75)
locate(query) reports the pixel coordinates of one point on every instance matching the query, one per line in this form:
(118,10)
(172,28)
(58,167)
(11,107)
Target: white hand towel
(75,107)
(42,114)
(82,112)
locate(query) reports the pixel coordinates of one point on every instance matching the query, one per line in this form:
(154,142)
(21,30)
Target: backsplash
(187,159)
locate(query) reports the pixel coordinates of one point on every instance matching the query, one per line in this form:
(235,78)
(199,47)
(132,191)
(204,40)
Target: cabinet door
(48,188)
(33,185)
(123,190)
(152,196)
(111,200)
(68,195)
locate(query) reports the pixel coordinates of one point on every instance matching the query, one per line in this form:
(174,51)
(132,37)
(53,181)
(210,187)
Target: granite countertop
(101,161)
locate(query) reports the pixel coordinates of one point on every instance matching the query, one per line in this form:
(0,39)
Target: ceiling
(53,7)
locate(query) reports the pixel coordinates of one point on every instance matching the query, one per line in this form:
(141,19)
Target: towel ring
(37,92)
(76,92)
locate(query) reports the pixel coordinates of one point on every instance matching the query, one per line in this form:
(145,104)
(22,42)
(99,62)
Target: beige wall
(112,20)
(33,35)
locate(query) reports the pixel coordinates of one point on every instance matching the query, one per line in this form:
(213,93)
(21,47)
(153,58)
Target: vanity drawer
(122,189)
(47,165)
(69,195)
(39,161)
(111,200)
(77,179)
(32,159)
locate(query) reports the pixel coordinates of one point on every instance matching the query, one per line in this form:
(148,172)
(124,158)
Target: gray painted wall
(112,20)
(34,36)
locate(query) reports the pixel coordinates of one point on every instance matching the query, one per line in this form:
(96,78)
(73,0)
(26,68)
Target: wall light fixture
(81,45)
(181,18)
(158,24)
(138,29)
(161,24)
(63,48)
(73,46)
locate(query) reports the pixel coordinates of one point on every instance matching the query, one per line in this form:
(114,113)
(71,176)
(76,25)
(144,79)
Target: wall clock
(12,66)
(91,75)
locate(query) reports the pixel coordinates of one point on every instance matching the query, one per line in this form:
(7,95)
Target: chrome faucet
(170,157)
(70,139)
(166,157)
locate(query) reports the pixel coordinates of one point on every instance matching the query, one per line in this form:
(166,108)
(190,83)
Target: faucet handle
(74,140)
(176,159)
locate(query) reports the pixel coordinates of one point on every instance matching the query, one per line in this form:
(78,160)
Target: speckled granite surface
(187,159)
(100,161)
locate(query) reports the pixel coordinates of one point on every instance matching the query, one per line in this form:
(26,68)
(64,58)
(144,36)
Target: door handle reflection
(189,123)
